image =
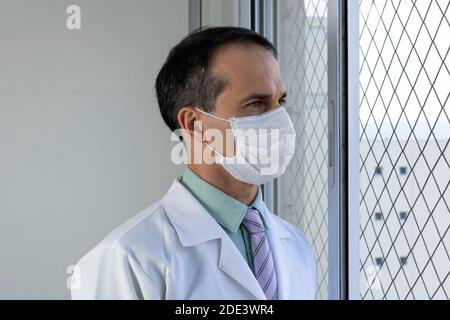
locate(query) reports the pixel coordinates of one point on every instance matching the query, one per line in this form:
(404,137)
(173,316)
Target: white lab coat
(176,250)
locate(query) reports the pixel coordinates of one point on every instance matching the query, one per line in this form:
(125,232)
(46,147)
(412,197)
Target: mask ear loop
(212,115)
(222,157)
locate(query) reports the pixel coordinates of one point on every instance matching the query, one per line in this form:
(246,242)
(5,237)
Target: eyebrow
(261,96)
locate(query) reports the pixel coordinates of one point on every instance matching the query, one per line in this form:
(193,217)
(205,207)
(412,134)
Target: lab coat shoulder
(124,265)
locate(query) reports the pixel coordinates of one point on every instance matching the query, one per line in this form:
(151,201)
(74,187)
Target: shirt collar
(226,210)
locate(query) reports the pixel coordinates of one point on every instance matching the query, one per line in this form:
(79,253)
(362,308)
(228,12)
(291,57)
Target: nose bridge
(277,90)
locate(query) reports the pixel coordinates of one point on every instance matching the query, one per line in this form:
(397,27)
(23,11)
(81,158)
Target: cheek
(221,139)
(229,144)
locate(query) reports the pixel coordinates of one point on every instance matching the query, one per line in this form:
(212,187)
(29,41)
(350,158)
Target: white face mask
(264,144)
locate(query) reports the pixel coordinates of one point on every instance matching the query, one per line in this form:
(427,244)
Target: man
(211,236)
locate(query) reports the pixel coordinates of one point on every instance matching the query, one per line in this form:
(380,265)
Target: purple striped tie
(263,266)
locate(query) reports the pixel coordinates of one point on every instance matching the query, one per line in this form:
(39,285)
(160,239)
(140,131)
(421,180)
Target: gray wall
(82,145)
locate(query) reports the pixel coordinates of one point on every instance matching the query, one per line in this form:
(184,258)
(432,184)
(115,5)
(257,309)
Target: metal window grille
(404,120)
(303,198)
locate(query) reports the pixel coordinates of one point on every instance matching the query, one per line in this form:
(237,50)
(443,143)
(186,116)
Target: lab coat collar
(196,225)
(277,228)
(190,219)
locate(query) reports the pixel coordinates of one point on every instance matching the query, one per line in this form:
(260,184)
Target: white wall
(82,144)
(220,12)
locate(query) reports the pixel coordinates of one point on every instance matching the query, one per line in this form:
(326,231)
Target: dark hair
(185,78)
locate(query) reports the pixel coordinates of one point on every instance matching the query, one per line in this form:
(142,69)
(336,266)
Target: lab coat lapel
(232,263)
(193,224)
(283,266)
(277,234)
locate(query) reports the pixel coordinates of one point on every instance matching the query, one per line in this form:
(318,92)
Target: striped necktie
(263,264)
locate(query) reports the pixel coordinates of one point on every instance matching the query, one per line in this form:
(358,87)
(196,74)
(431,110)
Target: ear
(189,120)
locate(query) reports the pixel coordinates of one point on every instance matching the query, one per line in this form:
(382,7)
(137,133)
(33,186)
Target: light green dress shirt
(227,211)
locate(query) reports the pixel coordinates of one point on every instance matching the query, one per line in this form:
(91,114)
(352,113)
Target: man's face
(253,85)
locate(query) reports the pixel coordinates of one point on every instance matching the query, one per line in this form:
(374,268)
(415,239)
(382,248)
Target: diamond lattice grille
(304,187)
(404,149)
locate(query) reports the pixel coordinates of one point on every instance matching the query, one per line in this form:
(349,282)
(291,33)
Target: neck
(222,180)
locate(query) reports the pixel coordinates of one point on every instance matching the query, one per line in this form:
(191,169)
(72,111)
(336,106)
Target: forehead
(248,68)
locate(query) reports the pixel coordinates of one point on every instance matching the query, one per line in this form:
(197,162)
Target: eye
(256,104)
(282,102)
